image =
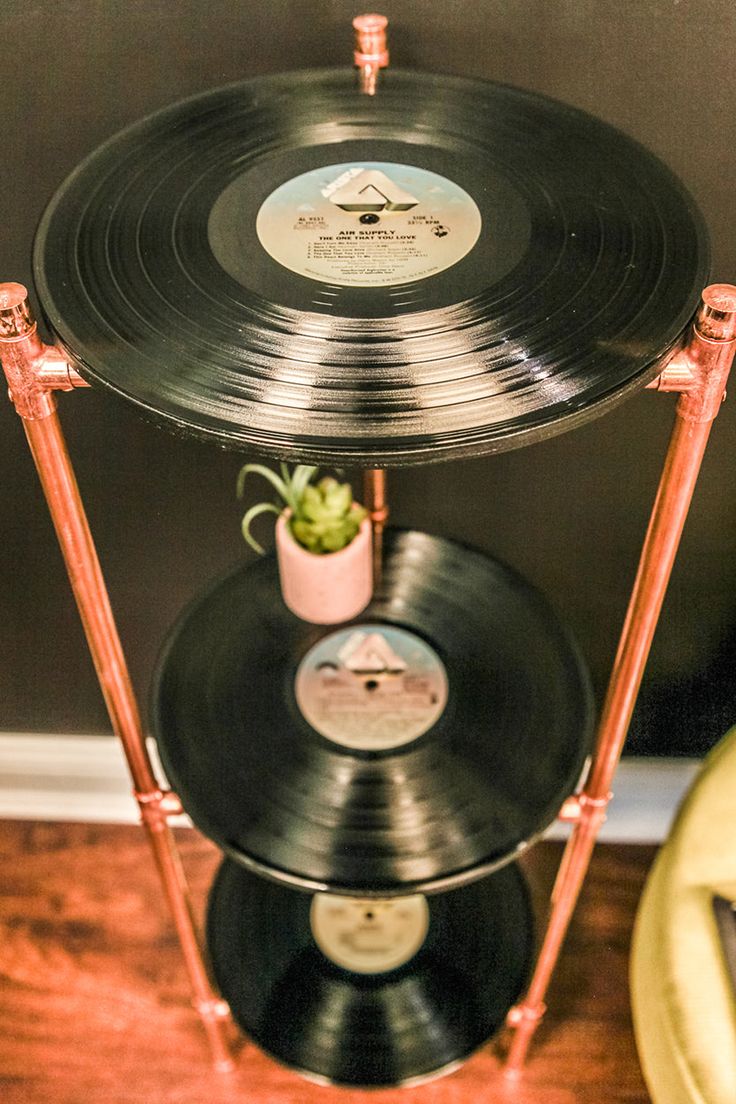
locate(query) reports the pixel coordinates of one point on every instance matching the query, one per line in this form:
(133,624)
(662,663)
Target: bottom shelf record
(369,992)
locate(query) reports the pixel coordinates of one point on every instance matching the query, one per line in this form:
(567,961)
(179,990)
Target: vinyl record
(417,747)
(449,268)
(435,979)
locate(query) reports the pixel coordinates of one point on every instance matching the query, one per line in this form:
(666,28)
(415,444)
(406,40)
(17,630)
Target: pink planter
(325,588)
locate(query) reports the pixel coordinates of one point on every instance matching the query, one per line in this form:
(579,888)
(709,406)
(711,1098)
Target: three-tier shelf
(507,267)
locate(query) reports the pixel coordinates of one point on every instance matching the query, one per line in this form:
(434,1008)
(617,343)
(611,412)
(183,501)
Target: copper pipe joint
(678,375)
(715,321)
(370,54)
(577,806)
(33,370)
(213,1008)
(156,806)
(523,1012)
(710,353)
(56,373)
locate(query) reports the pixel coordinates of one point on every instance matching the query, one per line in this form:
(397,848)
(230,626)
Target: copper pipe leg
(34,371)
(528,1014)
(214,1012)
(704,365)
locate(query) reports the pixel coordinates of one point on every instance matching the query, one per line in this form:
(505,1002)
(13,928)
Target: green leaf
(260,469)
(250,516)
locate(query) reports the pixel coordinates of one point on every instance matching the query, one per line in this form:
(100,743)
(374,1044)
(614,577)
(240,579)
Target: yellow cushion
(683,1001)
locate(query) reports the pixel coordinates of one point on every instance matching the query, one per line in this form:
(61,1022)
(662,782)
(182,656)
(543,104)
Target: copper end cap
(370,39)
(717,315)
(16,320)
(370,23)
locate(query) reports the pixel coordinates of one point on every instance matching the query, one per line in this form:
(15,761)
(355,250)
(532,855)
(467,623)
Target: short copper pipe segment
(678,376)
(56,373)
(213,1011)
(370,54)
(21,352)
(374,493)
(709,352)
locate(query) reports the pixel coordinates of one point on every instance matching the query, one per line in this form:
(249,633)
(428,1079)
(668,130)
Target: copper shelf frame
(698,371)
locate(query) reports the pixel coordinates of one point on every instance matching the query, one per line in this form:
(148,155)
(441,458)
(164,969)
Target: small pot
(325,587)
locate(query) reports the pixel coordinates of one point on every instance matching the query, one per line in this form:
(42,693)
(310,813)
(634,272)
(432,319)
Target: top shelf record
(448,269)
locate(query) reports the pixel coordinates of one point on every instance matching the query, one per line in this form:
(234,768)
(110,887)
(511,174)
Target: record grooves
(497,728)
(526,265)
(393,1027)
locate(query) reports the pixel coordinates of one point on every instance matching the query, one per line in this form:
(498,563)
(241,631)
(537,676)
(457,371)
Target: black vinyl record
(449,268)
(369,1029)
(419,746)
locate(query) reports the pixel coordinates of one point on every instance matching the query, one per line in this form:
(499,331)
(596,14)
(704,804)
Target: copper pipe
(213,1011)
(374,494)
(370,54)
(709,353)
(22,353)
(62,495)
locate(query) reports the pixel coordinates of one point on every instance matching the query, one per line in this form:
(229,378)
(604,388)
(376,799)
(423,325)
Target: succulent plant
(323,518)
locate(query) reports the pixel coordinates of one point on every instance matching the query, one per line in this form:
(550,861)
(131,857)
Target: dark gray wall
(570,513)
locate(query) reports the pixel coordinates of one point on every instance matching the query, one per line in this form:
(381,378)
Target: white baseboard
(84,778)
(77,778)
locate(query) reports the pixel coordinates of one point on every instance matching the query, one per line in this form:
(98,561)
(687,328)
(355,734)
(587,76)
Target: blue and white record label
(368,224)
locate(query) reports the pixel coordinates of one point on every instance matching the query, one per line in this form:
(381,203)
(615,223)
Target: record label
(369,936)
(372,688)
(368,224)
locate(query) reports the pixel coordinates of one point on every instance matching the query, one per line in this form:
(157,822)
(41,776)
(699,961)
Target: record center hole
(369,915)
(371,684)
(369,219)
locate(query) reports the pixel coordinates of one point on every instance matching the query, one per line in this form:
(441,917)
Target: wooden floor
(94,1001)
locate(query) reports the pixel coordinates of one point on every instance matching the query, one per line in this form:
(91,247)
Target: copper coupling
(156,807)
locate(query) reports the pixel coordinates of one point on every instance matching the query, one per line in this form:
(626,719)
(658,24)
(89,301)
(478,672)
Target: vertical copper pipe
(374,493)
(709,354)
(23,359)
(62,494)
(371,55)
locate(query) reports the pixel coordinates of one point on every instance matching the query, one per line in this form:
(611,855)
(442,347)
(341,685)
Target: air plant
(322,516)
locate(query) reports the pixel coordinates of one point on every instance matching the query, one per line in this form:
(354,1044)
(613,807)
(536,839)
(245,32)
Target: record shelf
(425,831)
